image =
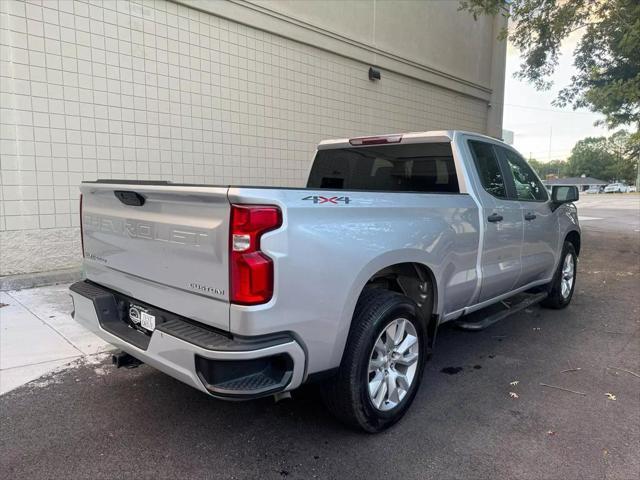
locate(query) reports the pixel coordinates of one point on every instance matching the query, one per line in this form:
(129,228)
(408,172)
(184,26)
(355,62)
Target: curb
(39,279)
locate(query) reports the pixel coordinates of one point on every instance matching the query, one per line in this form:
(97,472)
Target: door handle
(530,216)
(495,217)
(130,198)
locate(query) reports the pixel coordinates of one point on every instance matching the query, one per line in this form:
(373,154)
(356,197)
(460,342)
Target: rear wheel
(564,282)
(382,364)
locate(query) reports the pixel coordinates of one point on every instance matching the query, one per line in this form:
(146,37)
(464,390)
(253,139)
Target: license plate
(147,321)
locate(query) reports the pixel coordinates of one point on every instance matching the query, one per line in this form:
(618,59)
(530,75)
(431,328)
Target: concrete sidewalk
(38,335)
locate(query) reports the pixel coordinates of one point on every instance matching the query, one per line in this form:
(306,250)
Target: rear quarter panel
(325,253)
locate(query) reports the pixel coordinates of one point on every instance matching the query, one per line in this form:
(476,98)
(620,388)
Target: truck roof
(409,137)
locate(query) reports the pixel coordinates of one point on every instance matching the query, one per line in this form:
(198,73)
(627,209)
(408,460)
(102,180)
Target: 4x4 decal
(329,200)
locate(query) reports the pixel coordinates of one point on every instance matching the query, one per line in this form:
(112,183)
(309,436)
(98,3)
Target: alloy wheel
(568,276)
(393,364)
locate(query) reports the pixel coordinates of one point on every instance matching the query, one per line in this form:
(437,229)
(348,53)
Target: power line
(555,110)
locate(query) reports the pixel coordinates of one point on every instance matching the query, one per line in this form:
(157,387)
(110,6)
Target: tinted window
(528,187)
(420,167)
(488,168)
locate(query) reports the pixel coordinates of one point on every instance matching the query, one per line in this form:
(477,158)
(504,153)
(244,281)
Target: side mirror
(564,194)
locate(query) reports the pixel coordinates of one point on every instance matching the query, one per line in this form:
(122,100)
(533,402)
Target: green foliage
(554,167)
(590,157)
(611,159)
(607,58)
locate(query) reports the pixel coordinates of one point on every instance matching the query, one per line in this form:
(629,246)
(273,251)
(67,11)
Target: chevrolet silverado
(243,292)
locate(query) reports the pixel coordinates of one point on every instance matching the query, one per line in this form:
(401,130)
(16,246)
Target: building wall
(431,33)
(196,92)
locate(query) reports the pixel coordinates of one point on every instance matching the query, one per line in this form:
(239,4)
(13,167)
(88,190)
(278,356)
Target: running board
(487,316)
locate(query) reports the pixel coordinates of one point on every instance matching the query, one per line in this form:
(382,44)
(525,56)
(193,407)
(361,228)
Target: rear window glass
(420,167)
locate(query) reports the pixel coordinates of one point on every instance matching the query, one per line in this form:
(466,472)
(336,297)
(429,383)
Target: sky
(541,130)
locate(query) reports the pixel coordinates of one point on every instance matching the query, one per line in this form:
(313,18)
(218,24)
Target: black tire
(347,393)
(556,299)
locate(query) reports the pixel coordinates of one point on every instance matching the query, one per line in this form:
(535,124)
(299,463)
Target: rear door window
(419,167)
(488,167)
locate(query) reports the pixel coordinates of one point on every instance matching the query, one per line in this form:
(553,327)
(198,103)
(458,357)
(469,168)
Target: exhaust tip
(280,396)
(123,359)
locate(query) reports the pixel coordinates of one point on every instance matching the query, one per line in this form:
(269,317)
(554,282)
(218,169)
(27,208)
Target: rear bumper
(225,367)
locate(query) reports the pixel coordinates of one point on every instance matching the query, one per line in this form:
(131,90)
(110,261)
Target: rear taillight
(81,230)
(250,270)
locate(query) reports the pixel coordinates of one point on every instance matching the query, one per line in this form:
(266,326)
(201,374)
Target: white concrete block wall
(157,90)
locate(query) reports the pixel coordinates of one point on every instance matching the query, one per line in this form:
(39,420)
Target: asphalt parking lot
(481,413)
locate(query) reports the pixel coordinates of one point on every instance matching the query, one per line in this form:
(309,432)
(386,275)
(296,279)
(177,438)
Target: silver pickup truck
(243,292)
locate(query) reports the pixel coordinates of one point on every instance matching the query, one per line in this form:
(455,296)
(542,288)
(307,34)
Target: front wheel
(564,281)
(382,365)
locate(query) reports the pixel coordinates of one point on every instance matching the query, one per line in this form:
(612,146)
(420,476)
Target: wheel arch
(573,237)
(404,276)
(413,279)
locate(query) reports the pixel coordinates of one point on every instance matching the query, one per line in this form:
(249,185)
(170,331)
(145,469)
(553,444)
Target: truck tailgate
(166,245)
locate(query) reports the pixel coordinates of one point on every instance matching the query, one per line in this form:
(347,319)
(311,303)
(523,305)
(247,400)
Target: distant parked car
(594,189)
(616,188)
(632,188)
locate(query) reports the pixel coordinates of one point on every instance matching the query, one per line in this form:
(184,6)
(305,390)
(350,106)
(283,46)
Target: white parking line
(584,218)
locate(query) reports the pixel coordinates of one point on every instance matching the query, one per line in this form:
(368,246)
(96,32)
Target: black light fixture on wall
(374,73)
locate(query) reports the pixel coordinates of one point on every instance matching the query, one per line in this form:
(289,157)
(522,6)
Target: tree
(610,159)
(590,157)
(625,148)
(607,57)
(554,167)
